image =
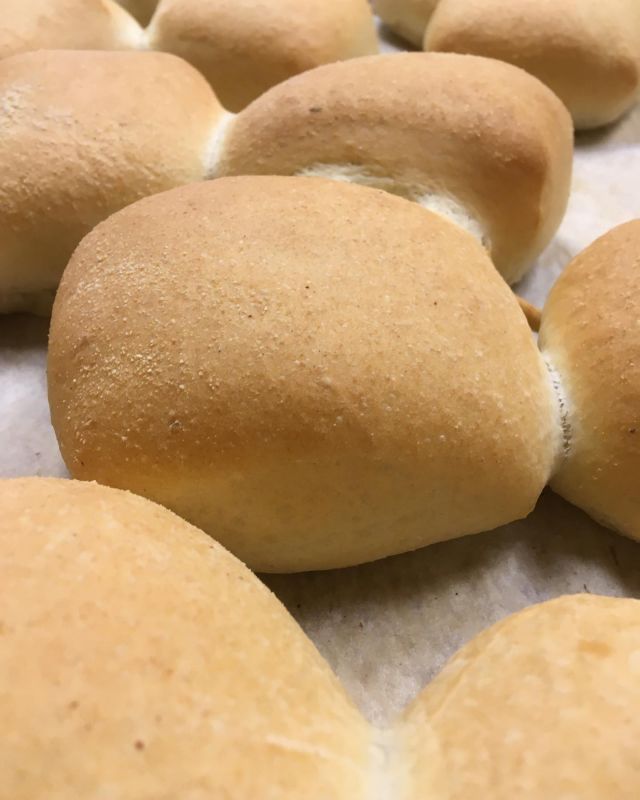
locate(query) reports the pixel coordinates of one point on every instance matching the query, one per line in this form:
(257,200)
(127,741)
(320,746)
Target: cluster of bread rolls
(86,133)
(588,52)
(320,374)
(139,659)
(242,47)
(316,373)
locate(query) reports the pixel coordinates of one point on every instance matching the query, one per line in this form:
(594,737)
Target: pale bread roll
(542,705)
(587,51)
(317,374)
(406,18)
(590,334)
(243,47)
(472,138)
(139,659)
(82,135)
(76,24)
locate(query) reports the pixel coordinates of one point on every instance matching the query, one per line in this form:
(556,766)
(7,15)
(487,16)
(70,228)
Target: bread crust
(588,53)
(243,47)
(460,133)
(590,334)
(79,142)
(537,706)
(77,24)
(317,374)
(140,659)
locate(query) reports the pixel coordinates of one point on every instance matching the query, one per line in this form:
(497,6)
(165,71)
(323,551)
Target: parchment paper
(387,628)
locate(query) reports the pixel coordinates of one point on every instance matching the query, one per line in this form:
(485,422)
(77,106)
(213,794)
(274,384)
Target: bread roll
(473,138)
(86,133)
(244,47)
(83,134)
(406,18)
(317,374)
(77,24)
(139,659)
(588,52)
(542,705)
(241,46)
(590,334)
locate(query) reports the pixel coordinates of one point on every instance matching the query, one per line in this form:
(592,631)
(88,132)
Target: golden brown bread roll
(588,52)
(317,374)
(472,138)
(83,134)
(139,659)
(542,705)
(86,133)
(590,333)
(76,24)
(243,47)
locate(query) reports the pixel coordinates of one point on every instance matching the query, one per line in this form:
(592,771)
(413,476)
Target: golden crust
(140,659)
(542,705)
(77,24)
(591,335)
(587,52)
(432,127)
(317,374)
(244,47)
(78,143)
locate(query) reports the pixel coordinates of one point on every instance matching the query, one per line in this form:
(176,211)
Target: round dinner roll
(475,139)
(244,47)
(588,52)
(317,374)
(139,659)
(77,24)
(406,18)
(542,705)
(84,134)
(590,333)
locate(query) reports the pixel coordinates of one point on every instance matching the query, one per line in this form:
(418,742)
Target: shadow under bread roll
(317,374)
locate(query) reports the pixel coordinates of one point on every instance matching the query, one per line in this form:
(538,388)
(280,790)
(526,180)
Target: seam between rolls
(562,411)
(383,784)
(215,144)
(441,203)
